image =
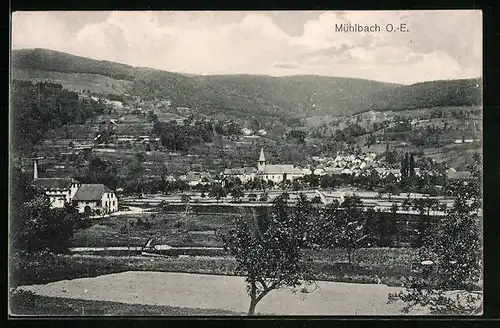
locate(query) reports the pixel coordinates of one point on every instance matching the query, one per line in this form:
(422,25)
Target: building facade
(274,173)
(95,198)
(59,190)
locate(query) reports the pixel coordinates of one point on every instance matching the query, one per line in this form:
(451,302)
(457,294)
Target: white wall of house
(58,197)
(109,202)
(276,178)
(194,183)
(81,205)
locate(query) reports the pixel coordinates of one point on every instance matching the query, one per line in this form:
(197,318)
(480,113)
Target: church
(274,173)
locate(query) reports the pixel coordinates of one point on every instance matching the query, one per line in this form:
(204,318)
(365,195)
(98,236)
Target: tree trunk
(253,304)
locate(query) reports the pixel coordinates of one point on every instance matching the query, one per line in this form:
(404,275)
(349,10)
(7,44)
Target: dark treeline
(178,137)
(37,108)
(431,94)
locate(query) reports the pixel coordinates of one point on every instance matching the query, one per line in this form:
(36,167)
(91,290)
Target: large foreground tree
(268,248)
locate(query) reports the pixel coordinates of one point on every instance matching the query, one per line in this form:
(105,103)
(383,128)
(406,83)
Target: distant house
(193,179)
(306,171)
(319,171)
(246,131)
(458,175)
(333,170)
(170,178)
(95,198)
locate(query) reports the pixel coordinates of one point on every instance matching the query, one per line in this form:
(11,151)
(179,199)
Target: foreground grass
(28,304)
(389,266)
(171,229)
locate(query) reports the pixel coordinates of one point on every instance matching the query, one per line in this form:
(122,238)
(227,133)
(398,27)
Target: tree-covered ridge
(464,92)
(50,60)
(37,108)
(280,97)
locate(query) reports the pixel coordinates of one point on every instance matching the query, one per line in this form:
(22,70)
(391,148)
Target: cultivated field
(224,292)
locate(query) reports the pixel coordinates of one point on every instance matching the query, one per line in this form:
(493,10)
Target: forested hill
(280,97)
(465,92)
(38,108)
(56,61)
(253,94)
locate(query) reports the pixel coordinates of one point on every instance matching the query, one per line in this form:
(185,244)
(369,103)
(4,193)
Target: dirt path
(223,292)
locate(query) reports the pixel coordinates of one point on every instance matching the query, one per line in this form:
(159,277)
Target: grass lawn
(171,229)
(35,305)
(200,291)
(390,265)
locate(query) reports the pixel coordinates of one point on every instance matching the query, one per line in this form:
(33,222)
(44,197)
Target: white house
(95,198)
(319,171)
(59,190)
(193,179)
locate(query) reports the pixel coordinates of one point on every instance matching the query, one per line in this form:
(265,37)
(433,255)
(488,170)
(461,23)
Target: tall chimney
(35,169)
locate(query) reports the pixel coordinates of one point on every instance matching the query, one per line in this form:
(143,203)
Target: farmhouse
(59,190)
(95,198)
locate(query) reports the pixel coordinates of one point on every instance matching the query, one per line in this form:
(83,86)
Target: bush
(82,224)
(36,227)
(20,300)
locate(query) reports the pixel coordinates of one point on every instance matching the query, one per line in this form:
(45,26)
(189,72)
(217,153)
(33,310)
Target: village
(244,163)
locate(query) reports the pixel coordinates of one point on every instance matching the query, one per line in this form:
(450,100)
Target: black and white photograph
(245,163)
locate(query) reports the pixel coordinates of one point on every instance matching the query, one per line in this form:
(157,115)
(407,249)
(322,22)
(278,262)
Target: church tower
(262,161)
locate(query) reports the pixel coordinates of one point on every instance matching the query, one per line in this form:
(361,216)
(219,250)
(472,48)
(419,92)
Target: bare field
(199,291)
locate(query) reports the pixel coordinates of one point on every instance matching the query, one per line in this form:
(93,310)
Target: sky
(436,45)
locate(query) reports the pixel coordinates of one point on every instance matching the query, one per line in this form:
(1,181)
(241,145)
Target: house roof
(193,177)
(278,169)
(91,192)
(53,183)
(249,170)
(459,175)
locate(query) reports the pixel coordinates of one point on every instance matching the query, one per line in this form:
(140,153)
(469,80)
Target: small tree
(36,227)
(237,193)
(185,198)
(217,191)
(352,222)
(269,254)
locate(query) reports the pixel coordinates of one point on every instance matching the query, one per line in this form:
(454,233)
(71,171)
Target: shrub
(82,224)
(20,300)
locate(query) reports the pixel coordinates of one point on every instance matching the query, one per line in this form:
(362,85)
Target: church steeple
(262,160)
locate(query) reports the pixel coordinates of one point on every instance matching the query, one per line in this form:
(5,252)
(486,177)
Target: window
(113,203)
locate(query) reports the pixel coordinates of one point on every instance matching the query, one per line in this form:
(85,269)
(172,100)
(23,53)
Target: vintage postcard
(234,163)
